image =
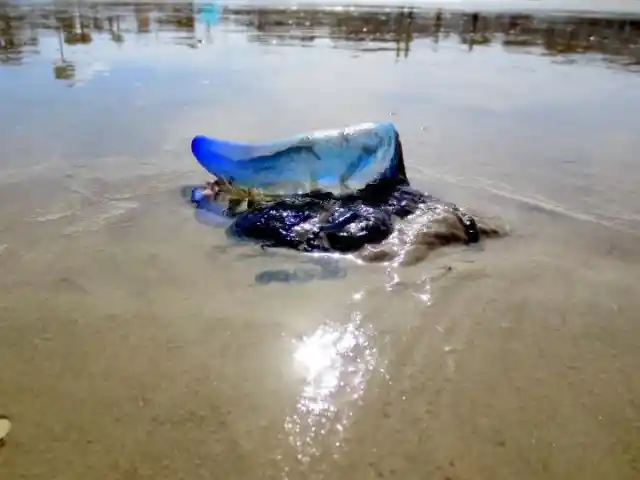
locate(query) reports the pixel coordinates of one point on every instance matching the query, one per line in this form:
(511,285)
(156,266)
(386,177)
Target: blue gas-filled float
(325,191)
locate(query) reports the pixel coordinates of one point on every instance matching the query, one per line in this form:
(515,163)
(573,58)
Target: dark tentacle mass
(324,222)
(321,221)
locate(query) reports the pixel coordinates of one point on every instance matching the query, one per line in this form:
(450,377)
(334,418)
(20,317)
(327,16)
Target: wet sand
(135,342)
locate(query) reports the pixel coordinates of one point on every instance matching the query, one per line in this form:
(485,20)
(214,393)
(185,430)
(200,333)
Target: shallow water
(136,342)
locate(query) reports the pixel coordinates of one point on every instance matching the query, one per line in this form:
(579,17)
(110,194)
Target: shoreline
(542,7)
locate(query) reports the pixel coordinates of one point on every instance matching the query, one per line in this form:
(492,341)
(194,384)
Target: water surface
(135,341)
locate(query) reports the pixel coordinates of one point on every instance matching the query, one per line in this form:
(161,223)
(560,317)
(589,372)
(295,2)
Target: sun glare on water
(336,361)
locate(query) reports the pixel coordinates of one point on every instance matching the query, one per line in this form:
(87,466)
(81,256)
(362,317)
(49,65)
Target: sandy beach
(136,343)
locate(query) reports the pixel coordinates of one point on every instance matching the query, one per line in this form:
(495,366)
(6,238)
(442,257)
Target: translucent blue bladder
(332,160)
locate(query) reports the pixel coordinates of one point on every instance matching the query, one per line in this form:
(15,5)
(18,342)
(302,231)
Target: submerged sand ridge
(413,240)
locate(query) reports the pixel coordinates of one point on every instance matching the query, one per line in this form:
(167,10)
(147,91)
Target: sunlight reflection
(336,361)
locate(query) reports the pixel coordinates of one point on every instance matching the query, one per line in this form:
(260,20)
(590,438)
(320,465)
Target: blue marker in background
(210,13)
